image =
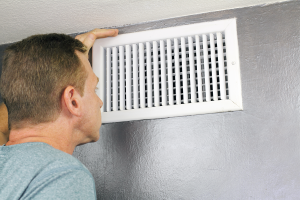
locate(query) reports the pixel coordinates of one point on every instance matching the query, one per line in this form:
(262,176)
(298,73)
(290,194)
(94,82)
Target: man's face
(91,119)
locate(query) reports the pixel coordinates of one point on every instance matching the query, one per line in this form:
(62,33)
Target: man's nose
(101,103)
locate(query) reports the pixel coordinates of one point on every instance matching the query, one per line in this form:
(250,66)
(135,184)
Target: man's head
(35,73)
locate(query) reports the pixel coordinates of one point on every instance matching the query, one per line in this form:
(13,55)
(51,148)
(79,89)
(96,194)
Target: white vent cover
(185,70)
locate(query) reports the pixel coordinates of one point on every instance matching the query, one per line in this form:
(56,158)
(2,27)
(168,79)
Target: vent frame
(232,103)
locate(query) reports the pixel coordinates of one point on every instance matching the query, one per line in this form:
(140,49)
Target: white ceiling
(22,18)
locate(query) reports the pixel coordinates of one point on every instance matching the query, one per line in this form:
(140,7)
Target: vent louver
(176,71)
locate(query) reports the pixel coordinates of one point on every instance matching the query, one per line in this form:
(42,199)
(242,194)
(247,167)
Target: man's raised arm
(3,124)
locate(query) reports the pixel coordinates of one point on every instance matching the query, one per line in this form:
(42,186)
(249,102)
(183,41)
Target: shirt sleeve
(62,184)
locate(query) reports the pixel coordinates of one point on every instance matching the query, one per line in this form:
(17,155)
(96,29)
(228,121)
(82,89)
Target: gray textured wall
(250,154)
(2,49)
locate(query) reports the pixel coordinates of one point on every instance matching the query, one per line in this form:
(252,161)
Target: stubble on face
(91,102)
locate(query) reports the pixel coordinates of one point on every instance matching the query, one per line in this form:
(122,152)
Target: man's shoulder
(37,157)
(38,152)
(38,165)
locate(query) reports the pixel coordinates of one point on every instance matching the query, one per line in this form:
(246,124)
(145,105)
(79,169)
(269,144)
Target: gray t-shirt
(38,171)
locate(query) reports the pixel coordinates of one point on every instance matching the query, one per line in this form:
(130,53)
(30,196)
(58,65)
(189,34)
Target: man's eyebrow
(97,80)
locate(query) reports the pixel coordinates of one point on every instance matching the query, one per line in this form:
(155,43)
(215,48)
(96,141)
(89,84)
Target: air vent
(185,70)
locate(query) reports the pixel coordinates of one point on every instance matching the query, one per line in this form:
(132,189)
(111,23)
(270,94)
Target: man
(48,86)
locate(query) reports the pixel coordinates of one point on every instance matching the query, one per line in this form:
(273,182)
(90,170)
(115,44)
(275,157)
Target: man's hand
(89,38)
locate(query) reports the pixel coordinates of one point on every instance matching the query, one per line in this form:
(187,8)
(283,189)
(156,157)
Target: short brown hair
(35,73)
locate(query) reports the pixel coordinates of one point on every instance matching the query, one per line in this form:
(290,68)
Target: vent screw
(233,63)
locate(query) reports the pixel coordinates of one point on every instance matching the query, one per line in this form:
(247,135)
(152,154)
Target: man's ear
(72,100)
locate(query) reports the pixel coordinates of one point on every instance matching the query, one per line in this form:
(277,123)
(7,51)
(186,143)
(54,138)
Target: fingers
(89,38)
(103,33)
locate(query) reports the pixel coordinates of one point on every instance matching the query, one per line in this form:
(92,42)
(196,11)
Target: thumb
(89,41)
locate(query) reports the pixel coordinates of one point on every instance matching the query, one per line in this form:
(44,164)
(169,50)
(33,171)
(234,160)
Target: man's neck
(58,135)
